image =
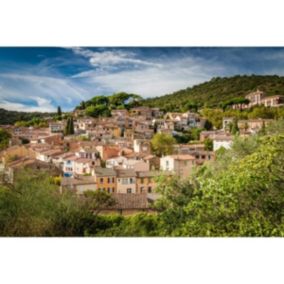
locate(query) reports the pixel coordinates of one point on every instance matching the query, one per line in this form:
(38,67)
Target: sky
(42,78)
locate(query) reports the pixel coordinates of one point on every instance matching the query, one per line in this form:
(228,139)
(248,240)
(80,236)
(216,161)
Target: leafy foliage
(102,105)
(162,144)
(4,138)
(11,117)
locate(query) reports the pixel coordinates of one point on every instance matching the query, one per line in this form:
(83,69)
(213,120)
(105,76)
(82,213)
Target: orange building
(105,179)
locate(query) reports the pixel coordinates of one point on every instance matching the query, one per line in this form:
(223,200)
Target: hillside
(217,91)
(10,117)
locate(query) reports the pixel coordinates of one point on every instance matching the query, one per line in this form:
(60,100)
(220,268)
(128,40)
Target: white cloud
(38,93)
(43,106)
(110,58)
(153,81)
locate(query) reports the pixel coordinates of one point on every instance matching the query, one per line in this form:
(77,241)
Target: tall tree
(59,113)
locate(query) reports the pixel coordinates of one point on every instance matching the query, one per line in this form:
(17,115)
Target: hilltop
(217,91)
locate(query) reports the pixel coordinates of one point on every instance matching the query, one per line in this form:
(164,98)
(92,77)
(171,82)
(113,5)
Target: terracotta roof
(129,201)
(65,181)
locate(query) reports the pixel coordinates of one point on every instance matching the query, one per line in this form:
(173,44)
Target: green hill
(217,91)
(10,117)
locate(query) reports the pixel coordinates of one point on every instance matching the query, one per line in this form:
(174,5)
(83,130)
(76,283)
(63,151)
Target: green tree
(4,138)
(162,144)
(59,112)
(69,128)
(208,144)
(234,129)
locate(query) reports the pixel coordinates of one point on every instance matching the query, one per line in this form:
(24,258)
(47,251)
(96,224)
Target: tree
(59,112)
(234,128)
(4,138)
(162,144)
(97,111)
(69,129)
(208,125)
(208,144)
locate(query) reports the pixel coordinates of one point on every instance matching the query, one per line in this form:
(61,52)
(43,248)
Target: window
(108,180)
(131,180)
(129,190)
(109,190)
(101,180)
(142,180)
(149,189)
(113,180)
(142,189)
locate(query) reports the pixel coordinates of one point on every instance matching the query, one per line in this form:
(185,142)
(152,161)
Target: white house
(220,141)
(179,164)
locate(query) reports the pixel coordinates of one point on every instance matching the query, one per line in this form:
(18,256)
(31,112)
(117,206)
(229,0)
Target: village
(115,154)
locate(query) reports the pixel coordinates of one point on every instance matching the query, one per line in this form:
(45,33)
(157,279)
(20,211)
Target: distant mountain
(10,117)
(217,91)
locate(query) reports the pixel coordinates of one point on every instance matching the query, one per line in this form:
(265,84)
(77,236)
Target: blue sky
(40,79)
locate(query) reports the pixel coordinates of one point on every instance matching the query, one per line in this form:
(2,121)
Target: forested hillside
(217,91)
(10,117)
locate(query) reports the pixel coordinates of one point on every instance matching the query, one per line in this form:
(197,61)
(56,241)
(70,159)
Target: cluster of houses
(259,98)
(114,153)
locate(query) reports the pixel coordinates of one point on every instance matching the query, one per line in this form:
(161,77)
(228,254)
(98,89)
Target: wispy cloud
(38,93)
(111,58)
(158,79)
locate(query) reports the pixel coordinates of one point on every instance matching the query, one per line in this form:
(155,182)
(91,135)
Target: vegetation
(4,138)
(162,144)
(69,129)
(208,144)
(102,105)
(33,206)
(11,117)
(34,122)
(218,92)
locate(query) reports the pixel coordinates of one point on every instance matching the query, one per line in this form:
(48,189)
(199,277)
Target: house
(259,98)
(125,163)
(108,151)
(47,155)
(222,141)
(105,179)
(255,98)
(153,162)
(69,166)
(126,181)
(84,124)
(146,181)
(119,113)
(253,125)
(210,134)
(202,156)
(273,101)
(56,127)
(142,146)
(179,164)
(188,148)
(79,184)
(83,166)
(141,111)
